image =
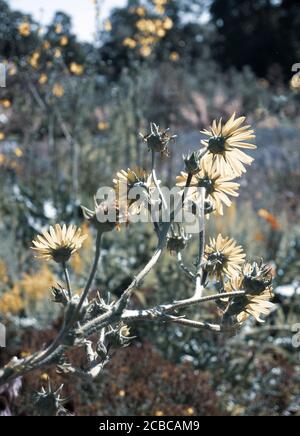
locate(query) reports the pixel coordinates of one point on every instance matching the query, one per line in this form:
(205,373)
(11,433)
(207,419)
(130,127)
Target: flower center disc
(217,144)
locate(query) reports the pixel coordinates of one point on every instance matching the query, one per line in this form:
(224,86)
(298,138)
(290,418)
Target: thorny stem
(176,305)
(189,273)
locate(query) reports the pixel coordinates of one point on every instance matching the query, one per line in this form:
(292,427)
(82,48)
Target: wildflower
(76,69)
(5,103)
(24,29)
(43,79)
(168,23)
(129,42)
(59,244)
(224,145)
(103,125)
(158,141)
(58,90)
(64,40)
(295,82)
(105,217)
(190,411)
(57,53)
(12,70)
(161,33)
(58,28)
(46,45)
(128,180)
(34,60)
(174,56)
(159,413)
(18,152)
(140,11)
(107,26)
(2,136)
(258,293)
(217,188)
(223,256)
(145,51)
(44,377)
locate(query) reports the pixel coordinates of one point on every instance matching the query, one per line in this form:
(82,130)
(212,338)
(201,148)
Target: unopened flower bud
(191,162)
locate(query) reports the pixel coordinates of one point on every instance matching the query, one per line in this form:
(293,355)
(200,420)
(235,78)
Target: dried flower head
(143,185)
(223,256)
(257,278)
(177,240)
(224,145)
(49,402)
(59,243)
(60,295)
(157,140)
(255,303)
(217,188)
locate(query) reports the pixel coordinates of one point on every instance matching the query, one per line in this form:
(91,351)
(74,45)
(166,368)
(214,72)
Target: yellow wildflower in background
(11,302)
(129,42)
(2,136)
(12,70)
(57,53)
(174,56)
(295,82)
(167,23)
(76,69)
(3,272)
(36,286)
(5,103)
(145,51)
(18,152)
(64,40)
(24,29)
(58,28)
(34,59)
(140,11)
(43,79)
(107,26)
(103,125)
(58,90)
(224,143)
(46,45)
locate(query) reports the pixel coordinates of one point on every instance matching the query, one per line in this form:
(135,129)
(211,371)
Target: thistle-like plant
(218,275)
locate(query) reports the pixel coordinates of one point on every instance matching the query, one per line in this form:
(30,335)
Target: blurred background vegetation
(69,119)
